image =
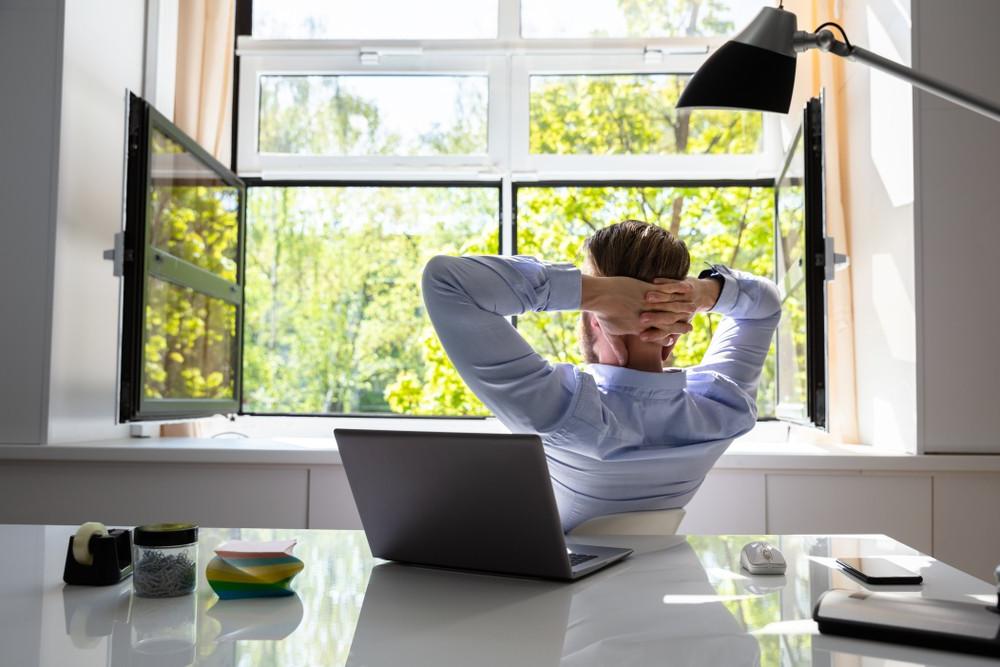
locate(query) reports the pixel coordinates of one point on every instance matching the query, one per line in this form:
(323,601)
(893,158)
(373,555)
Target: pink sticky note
(251,549)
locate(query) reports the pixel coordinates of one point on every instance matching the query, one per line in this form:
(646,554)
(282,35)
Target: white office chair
(652,522)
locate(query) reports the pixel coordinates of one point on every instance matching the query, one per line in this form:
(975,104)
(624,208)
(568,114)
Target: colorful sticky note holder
(245,569)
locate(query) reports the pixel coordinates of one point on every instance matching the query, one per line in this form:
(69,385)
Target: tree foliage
(189,336)
(335,320)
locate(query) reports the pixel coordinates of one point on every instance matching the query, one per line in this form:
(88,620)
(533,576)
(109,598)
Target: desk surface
(678,601)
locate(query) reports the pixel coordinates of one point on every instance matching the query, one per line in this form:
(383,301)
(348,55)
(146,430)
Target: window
(374,19)
(631,114)
(335,321)
(732,225)
(802,269)
(372,115)
(183,292)
(371,136)
(631,18)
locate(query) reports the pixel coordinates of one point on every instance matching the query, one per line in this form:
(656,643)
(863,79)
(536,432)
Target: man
(622,434)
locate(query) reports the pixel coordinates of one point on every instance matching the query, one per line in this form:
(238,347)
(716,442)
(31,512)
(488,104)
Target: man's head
(636,250)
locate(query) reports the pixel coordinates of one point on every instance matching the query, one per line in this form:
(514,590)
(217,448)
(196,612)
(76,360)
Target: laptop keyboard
(576,559)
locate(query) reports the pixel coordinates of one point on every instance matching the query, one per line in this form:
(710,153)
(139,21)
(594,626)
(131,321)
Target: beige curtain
(821,71)
(204,86)
(203,96)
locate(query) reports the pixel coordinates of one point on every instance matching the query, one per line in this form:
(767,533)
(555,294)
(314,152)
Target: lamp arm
(825,41)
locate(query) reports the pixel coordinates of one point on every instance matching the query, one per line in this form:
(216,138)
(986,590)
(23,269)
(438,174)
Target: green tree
(189,337)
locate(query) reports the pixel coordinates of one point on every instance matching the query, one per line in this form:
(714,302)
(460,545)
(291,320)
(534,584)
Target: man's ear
(667,349)
(592,321)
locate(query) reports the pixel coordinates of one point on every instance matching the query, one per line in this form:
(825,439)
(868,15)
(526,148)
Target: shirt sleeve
(751,307)
(468,299)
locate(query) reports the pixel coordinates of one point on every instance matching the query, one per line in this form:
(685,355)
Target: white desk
(677,601)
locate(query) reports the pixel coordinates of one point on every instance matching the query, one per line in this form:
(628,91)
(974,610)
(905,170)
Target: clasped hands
(656,312)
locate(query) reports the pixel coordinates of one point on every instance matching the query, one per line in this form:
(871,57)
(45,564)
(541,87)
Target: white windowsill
(759,450)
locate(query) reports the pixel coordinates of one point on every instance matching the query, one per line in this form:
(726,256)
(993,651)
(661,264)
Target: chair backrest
(652,522)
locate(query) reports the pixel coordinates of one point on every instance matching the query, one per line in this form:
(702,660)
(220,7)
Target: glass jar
(163,632)
(165,560)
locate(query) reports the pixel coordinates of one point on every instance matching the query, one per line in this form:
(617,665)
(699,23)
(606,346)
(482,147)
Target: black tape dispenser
(97,556)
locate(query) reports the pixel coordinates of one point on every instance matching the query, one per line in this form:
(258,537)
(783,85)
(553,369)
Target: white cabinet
(129,494)
(950,515)
(967,522)
(728,503)
(331,504)
(896,505)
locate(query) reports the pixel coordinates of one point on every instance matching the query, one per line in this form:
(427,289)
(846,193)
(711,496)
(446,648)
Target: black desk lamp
(756,68)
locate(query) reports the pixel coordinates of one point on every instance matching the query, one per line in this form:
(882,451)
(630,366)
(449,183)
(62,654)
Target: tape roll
(81,541)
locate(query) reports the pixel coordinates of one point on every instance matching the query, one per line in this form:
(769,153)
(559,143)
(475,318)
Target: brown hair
(637,250)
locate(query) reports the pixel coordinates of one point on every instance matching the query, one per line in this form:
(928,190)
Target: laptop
(472,501)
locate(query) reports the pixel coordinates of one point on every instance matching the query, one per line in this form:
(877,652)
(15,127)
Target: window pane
(188,347)
(631,114)
(792,378)
(636,18)
(373,115)
(334,315)
(371,19)
(731,225)
(194,215)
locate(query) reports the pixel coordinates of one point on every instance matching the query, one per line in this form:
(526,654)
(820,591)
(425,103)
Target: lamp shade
(754,70)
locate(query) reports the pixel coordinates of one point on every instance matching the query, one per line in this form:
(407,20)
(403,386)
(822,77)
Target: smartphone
(875,570)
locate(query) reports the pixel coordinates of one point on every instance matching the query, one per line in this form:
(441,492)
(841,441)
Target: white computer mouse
(762,558)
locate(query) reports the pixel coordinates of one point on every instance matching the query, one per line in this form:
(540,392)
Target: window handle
(116,255)
(833,261)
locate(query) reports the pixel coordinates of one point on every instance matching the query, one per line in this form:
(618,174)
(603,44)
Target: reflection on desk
(678,601)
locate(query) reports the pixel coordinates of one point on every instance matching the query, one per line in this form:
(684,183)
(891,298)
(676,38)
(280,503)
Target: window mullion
(509,26)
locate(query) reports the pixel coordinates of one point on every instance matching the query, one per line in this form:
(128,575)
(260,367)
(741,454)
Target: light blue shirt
(616,439)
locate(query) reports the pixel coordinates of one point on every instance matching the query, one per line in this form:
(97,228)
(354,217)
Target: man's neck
(650,366)
(644,356)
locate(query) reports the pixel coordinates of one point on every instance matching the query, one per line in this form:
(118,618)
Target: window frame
(508,61)
(509,67)
(811,134)
(253,163)
(142,261)
(257,182)
(665,183)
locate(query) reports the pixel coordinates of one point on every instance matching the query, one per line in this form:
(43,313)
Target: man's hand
(620,304)
(702,295)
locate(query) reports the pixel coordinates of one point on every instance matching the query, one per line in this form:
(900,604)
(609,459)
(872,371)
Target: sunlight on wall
(891,132)
(894,308)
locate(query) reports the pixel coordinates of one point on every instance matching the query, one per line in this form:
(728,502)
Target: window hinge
(116,255)
(369,57)
(652,56)
(833,261)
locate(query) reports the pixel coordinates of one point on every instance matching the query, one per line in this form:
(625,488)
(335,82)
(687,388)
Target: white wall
(878,186)
(161,55)
(30,62)
(102,57)
(957,229)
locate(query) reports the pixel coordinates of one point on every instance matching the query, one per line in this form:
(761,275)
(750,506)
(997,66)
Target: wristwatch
(715,274)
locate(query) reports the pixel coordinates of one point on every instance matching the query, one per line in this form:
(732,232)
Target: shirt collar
(618,376)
